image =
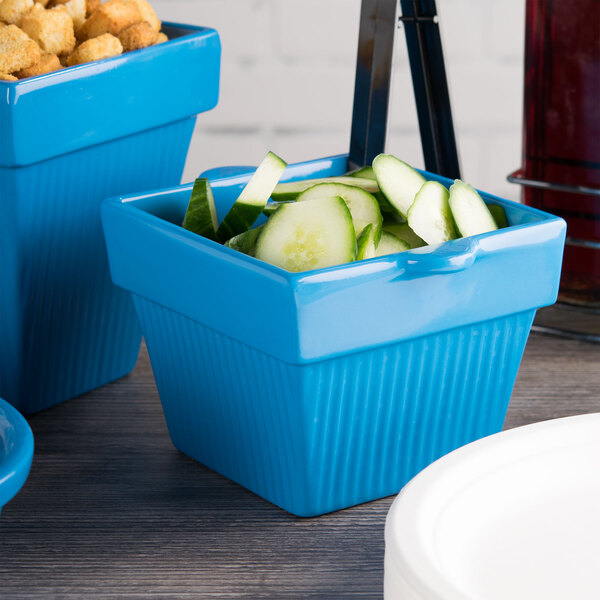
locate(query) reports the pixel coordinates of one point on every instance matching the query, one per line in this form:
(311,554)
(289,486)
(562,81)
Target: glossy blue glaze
(56,113)
(16,451)
(322,389)
(116,126)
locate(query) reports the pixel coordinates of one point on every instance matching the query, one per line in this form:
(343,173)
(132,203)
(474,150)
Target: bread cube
(12,11)
(76,8)
(7,77)
(137,36)
(112,17)
(91,6)
(161,38)
(47,64)
(52,29)
(103,46)
(148,14)
(17,50)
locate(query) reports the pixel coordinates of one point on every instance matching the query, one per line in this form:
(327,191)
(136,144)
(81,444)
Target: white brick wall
(287,80)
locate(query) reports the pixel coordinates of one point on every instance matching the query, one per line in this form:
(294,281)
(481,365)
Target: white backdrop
(287,83)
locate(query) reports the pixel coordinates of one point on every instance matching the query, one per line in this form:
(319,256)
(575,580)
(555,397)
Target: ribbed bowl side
(382,415)
(323,436)
(78,331)
(232,408)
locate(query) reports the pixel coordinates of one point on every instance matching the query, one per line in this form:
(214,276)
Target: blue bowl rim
(14,470)
(70,73)
(368,266)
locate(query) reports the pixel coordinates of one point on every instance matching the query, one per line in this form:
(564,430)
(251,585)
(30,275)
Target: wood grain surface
(112,510)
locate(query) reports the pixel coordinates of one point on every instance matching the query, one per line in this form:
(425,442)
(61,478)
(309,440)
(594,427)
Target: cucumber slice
(430,216)
(253,198)
(390,244)
(398,181)
(365,244)
(470,213)
(201,214)
(364,172)
(308,235)
(245,242)
(289,191)
(363,206)
(405,233)
(498,214)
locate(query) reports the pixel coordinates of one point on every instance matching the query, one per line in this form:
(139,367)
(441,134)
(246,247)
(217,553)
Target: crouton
(148,14)
(51,29)
(12,11)
(137,36)
(91,6)
(7,77)
(76,8)
(103,46)
(161,38)
(112,17)
(17,50)
(47,64)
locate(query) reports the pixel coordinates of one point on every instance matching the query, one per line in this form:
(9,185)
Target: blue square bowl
(329,388)
(68,140)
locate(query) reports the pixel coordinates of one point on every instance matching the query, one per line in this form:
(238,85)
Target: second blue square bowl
(325,389)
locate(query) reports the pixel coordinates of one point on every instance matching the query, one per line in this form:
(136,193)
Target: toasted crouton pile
(47,35)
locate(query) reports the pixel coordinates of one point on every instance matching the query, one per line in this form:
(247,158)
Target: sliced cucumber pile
(375,211)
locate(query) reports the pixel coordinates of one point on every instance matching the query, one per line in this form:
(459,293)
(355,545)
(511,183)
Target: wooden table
(112,510)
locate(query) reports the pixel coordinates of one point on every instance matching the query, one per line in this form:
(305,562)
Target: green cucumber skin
(405,233)
(245,242)
(239,221)
(398,181)
(362,205)
(430,216)
(289,191)
(292,220)
(469,211)
(390,244)
(363,173)
(253,199)
(365,243)
(201,214)
(498,214)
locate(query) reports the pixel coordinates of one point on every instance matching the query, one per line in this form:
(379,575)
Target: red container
(561,136)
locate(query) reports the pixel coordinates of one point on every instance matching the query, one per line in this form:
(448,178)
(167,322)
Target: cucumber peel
(245,242)
(390,244)
(253,199)
(365,244)
(201,214)
(405,233)
(289,191)
(363,172)
(498,214)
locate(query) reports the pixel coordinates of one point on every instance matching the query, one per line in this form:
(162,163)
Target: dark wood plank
(112,510)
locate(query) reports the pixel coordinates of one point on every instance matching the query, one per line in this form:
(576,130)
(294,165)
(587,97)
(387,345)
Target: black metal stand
(379,21)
